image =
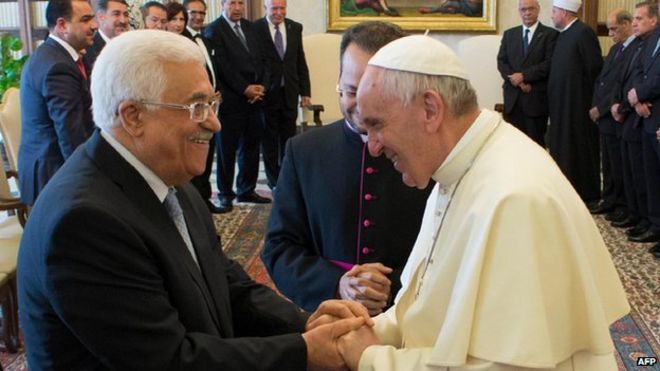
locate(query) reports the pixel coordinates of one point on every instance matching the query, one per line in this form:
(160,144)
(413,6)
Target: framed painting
(415,15)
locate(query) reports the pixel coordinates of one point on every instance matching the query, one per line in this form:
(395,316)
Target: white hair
(458,93)
(130,67)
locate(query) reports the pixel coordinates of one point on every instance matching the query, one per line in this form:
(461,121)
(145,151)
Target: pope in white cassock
(509,271)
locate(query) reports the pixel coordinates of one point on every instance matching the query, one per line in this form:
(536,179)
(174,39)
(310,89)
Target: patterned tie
(176,213)
(239,33)
(279,44)
(81,67)
(526,42)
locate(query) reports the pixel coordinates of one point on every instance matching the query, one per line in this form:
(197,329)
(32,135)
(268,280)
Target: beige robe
(519,276)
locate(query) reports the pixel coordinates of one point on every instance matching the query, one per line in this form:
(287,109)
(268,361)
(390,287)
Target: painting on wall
(415,15)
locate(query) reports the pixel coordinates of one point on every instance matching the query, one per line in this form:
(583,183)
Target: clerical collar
(464,152)
(351,127)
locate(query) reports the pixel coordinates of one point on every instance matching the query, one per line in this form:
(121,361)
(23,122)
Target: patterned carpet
(637,334)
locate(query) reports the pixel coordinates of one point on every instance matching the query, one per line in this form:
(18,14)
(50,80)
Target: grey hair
(130,67)
(459,95)
(623,16)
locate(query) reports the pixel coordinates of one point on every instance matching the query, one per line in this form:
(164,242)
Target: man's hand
(322,351)
(368,285)
(334,310)
(594,114)
(632,97)
(254,93)
(615,113)
(657,135)
(526,88)
(516,78)
(353,344)
(643,109)
(305,101)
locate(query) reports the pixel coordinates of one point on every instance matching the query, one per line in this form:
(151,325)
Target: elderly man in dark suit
(524,63)
(619,24)
(243,78)
(281,43)
(112,16)
(120,266)
(55,100)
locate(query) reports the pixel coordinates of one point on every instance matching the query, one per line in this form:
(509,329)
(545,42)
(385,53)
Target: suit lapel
(138,192)
(534,42)
(215,288)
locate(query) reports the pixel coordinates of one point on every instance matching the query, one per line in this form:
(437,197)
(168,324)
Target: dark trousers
(651,159)
(241,133)
(202,182)
(634,180)
(280,125)
(534,127)
(611,162)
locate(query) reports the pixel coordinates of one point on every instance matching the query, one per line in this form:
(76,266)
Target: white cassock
(519,275)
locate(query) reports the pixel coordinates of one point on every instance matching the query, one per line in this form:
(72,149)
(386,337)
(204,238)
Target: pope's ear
(130,117)
(434,110)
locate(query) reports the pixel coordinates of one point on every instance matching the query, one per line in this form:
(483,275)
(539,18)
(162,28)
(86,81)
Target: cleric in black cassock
(572,136)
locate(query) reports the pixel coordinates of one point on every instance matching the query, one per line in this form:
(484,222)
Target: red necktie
(81,67)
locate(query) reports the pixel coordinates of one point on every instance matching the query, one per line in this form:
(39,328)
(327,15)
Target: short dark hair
(369,36)
(173,8)
(651,8)
(58,9)
(144,9)
(103,4)
(186,2)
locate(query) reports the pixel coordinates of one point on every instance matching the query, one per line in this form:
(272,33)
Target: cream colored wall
(312,14)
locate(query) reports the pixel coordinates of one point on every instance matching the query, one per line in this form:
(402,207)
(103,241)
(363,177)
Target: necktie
(618,52)
(656,48)
(176,213)
(526,42)
(81,67)
(239,33)
(279,44)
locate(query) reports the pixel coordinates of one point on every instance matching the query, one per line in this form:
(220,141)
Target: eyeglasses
(348,93)
(199,111)
(197,12)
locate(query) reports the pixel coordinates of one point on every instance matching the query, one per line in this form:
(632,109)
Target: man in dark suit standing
(645,19)
(196,12)
(112,16)
(343,223)
(281,43)
(524,62)
(619,24)
(572,136)
(242,77)
(120,266)
(55,101)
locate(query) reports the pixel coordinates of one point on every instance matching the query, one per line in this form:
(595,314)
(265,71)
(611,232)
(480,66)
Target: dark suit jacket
(647,84)
(293,67)
(106,281)
(605,88)
(630,70)
(56,116)
(93,51)
(313,221)
(535,68)
(237,67)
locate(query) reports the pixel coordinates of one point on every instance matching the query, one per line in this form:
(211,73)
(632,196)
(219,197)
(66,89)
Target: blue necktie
(279,44)
(526,42)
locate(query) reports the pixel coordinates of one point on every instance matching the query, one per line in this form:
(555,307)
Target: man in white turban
(509,271)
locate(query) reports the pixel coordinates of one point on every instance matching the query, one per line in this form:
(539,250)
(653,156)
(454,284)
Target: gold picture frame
(415,15)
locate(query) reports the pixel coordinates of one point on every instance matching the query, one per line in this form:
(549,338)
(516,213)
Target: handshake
(337,334)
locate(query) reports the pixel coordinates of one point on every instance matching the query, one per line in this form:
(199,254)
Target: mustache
(202,135)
